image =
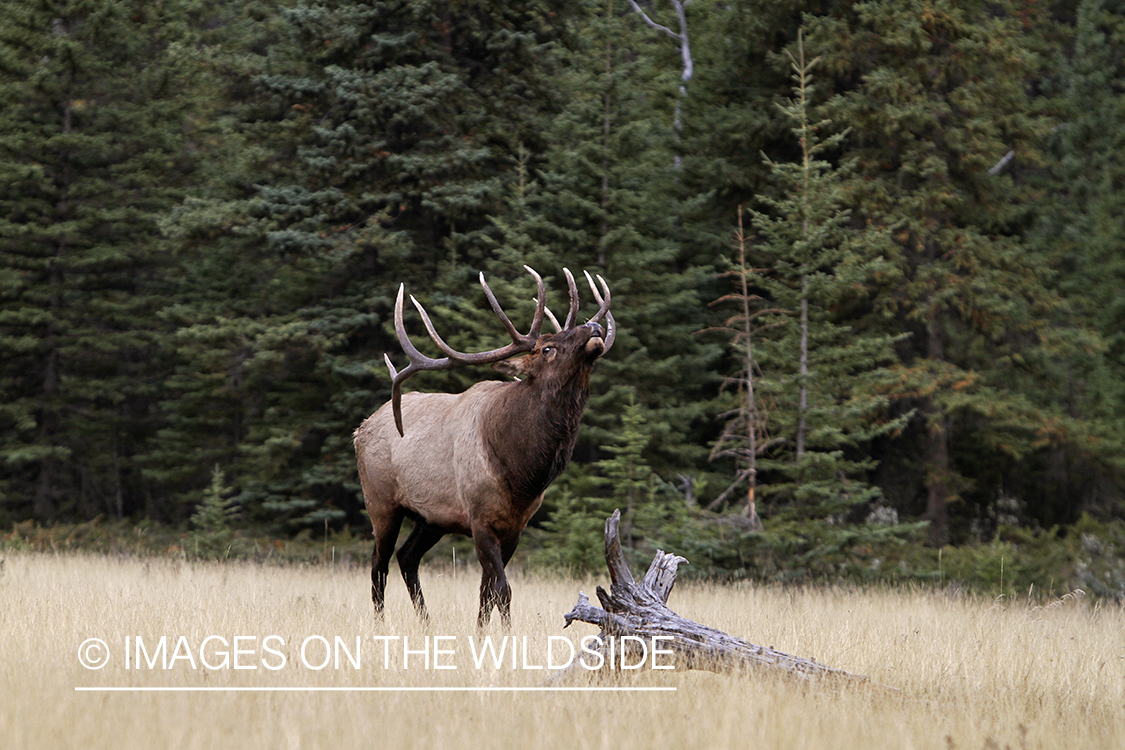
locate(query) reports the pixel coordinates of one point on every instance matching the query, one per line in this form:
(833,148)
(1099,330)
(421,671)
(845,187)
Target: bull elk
(477,463)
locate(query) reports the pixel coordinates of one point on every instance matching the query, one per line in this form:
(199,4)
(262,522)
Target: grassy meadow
(965,672)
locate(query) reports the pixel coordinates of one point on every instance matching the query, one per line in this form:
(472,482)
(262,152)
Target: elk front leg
(421,540)
(494,588)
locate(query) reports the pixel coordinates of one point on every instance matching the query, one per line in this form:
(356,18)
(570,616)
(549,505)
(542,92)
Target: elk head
(542,350)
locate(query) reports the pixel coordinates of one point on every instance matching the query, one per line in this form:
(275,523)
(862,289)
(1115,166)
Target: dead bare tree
(744,436)
(640,610)
(685,53)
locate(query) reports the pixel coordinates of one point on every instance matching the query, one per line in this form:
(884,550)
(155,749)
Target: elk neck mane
(531,431)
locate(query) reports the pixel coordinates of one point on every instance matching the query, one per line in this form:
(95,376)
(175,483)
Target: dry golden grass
(967,674)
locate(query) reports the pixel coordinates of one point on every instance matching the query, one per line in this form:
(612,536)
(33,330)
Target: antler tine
(536,321)
(572,316)
(554,321)
(603,309)
(572,313)
(511,329)
(418,361)
(396,393)
(540,304)
(450,352)
(396,400)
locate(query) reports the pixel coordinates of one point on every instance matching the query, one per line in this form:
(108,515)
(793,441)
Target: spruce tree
(92,151)
(812,370)
(608,201)
(381,141)
(211,523)
(827,374)
(1077,225)
(935,100)
(745,434)
(572,534)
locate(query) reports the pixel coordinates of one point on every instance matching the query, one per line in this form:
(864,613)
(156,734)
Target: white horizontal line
(374,689)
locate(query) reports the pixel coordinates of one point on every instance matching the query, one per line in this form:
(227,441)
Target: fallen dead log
(640,610)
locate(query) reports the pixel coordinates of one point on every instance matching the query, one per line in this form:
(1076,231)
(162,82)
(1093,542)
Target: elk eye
(549,350)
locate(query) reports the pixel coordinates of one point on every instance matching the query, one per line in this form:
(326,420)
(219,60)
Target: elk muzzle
(595,346)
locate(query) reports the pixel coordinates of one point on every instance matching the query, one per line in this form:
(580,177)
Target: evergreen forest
(867,262)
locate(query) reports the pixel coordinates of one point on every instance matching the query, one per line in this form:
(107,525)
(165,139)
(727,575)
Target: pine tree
(633,486)
(572,535)
(211,522)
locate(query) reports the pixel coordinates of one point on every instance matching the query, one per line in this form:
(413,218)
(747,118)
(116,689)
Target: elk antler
(572,314)
(520,342)
(420,362)
(603,311)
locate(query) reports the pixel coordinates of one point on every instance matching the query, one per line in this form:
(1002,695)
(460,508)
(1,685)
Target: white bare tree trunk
(685,53)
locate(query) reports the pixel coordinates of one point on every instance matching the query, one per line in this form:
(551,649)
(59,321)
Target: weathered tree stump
(640,609)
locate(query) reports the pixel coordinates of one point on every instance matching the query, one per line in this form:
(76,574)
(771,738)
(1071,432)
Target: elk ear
(514,367)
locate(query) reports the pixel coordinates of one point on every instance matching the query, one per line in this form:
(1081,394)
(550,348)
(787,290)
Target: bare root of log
(640,609)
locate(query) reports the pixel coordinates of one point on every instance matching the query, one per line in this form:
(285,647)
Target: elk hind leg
(384,527)
(421,540)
